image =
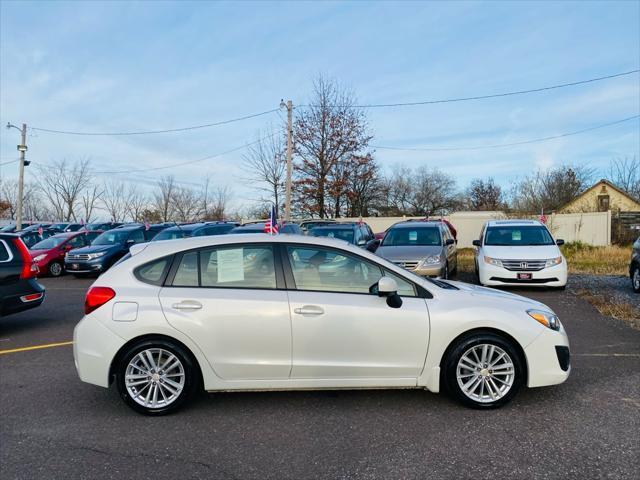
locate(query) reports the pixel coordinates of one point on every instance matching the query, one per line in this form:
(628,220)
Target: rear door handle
(187,305)
(309,310)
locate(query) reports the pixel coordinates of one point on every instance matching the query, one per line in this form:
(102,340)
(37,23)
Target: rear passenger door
(231,301)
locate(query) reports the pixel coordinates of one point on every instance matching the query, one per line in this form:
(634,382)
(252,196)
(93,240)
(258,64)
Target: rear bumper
(21,296)
(94,347)
(491,275)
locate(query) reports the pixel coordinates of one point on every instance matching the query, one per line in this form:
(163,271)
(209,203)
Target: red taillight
(29,268)
(96,297)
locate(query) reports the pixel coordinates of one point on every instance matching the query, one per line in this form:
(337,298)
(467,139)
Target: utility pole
(22,148)
(287,201)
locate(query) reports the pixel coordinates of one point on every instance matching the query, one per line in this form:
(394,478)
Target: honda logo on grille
(523,265)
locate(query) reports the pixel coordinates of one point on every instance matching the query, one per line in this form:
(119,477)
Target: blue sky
(114,66)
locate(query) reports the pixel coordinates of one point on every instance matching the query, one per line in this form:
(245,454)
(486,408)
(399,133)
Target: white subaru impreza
(261,312)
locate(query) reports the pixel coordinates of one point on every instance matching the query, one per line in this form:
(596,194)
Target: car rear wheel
(635,278)
(55,269)
(156,377)
(483,371)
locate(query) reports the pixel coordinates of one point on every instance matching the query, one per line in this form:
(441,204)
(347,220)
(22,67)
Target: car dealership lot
(54,426)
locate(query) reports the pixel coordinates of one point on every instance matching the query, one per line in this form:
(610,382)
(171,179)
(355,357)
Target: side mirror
(477,243)
(373,245)
(450,241)
(362,242)
(387,287)
(559,242)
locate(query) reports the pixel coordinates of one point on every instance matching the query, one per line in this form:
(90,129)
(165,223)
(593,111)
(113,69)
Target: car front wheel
(156,377)
(483,371)
(55,269)
(635,278)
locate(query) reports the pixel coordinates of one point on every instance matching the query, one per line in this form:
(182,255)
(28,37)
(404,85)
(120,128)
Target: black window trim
(177,259)
(165,272)
(421,292)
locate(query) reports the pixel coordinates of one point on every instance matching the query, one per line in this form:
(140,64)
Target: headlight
(547,319)
(39,258)
(432,260)
(552,262)
(493,261)
(96,255)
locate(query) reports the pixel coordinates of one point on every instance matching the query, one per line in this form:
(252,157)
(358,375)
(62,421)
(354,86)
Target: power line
(501,145)
(483,97)
(151,132)
(10,161)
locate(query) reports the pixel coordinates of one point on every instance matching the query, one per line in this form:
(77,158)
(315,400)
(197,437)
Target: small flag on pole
(271,226)
(543,219)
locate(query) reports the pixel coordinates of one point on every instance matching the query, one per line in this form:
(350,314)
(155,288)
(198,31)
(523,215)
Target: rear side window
(227,267)
(153,272)
(4,253)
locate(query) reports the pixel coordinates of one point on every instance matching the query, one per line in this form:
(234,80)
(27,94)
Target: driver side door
(341,331)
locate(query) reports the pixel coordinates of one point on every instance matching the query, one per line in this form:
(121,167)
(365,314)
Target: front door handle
(309,310)
(187,305)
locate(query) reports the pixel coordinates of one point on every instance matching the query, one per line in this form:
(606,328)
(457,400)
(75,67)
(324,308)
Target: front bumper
(491,275)
(79,266)
(431,271)
(548,358)
(94,348)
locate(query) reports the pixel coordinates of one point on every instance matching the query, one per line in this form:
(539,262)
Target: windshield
(49,243)
(340,233)
(171,235)
(525,235)
(419,236)
(112,237)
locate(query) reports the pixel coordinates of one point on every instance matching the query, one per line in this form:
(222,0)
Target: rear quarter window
(4,252)
(153,272)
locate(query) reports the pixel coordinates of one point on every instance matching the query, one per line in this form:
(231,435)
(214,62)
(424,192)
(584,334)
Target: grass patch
(583,258)
(613,308)
(466,259)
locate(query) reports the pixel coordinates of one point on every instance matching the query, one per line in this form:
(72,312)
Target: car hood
(495,294)
(96,248)
(35,253)
(409,252)
(532,252)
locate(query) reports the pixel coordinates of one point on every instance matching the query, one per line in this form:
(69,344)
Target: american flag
(543,218)
(271,226)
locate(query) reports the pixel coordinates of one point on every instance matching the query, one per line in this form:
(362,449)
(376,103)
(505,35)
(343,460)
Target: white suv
(519,252)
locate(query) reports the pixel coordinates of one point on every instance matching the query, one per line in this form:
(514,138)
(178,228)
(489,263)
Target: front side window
(111,237)
(416,236)
(137,236)
(331,270)
(228,267)
(518,235)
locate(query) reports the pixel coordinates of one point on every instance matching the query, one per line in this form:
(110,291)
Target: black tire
(635,275)
(450,363)
(446,273)
(563,287)
(191,375)
(55,269)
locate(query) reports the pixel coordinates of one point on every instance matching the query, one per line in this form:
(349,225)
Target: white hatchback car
(260,312)
(519,253)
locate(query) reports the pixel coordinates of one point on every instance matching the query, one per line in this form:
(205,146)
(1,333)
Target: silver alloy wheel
(485,373)
(636,279)
(55,269)
(154,378)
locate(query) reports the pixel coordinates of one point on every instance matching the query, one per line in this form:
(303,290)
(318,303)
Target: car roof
(419,223)
(512,223)
(333,226)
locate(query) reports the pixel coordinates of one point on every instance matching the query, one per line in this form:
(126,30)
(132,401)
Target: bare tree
(163,197)
(63,189)
(326,133)
(484,195)
(266,168)
(114,199)
(362,183)
(397,190)
(550,189)
(434,192)
(88,202)
(218,204)
(186,204)
(625,173)
(135,204)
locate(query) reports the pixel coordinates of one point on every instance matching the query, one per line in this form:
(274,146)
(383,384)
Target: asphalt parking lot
(54,426)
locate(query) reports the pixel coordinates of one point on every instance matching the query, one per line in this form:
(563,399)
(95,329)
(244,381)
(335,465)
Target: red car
(49,254)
